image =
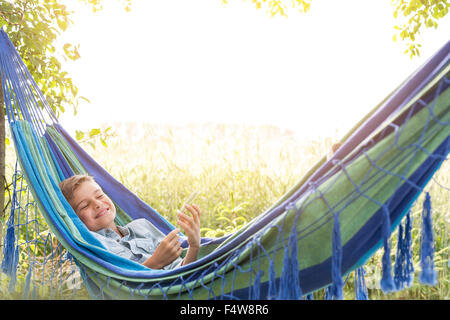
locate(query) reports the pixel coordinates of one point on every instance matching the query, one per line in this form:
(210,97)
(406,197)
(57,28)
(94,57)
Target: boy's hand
(167,251)
(191,225)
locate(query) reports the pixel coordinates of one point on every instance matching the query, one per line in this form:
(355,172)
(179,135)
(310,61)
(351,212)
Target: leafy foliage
(419,14)
(97,4)
(33,27)
(279,7)
(91,136)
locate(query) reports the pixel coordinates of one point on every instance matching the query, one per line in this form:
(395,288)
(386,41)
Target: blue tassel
(8,265)
(290,280)
(407,247)
(285,282)
(403,267)
(360,285)
(336,262)
(399,272)
(272,282)
(257,286)
(26,288)
(386,283)
(12,283)
(295,268)
(328,293)
(428,274)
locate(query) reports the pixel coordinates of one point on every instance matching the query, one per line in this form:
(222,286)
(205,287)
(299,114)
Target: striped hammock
(328,225)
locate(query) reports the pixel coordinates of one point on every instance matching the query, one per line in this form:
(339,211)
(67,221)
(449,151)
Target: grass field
(240,171)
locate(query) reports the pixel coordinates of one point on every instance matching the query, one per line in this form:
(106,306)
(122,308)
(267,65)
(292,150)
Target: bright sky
(179,61)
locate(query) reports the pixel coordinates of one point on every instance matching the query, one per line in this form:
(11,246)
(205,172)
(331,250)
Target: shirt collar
(110,233)
(123,230)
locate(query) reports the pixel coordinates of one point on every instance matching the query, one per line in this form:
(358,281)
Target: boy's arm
(191,255)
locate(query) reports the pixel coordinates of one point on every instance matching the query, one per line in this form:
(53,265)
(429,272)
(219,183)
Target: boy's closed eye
(83,205)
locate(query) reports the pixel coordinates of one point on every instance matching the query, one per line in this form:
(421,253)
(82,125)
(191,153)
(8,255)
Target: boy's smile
(103,212)
(93,207)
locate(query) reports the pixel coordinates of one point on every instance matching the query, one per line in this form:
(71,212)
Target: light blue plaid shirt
(140,239)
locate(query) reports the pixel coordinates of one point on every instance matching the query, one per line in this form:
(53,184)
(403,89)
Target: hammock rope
(328,225)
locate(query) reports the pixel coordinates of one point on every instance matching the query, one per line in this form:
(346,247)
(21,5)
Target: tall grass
(240,171)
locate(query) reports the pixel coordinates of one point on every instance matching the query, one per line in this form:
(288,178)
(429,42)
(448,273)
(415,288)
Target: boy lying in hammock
(139,240)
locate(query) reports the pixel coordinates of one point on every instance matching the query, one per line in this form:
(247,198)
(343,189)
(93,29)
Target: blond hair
(69,185)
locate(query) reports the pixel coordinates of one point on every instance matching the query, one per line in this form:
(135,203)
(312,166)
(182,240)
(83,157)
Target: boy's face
(93,207)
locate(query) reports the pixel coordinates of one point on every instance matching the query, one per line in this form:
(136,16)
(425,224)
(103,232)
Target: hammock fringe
(428,274)
(290,279)
(387,283)
(408,251)
(8,265)
(273,292)
(360,285)
(403,266)
(336,262)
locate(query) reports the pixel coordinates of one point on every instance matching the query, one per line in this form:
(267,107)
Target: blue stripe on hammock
(59,158)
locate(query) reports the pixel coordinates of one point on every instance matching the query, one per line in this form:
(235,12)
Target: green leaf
(92,144)
(94,132)
(71,51)
(85,99)
(224,219)
(63,24)
(79,134)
